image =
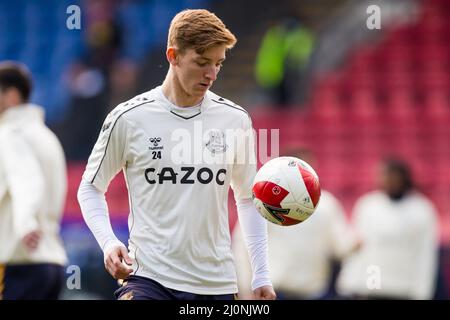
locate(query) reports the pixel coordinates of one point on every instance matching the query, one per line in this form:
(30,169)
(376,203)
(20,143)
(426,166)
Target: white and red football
(286,191)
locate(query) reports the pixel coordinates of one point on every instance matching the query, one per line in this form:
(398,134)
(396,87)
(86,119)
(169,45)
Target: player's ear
(172,55)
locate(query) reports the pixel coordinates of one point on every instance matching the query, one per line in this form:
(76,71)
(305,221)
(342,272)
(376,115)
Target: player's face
(197,72)
(392,183)
(9,97)
(2,101)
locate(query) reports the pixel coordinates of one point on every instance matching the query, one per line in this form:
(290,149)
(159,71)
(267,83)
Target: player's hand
(264,293)
(31,240)
(117,262)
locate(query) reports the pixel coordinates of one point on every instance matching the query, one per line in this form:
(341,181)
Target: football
(286,191)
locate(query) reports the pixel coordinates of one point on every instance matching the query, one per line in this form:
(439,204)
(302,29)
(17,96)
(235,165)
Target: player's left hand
(264,293)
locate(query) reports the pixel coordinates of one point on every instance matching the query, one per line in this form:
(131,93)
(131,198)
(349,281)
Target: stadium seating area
(30,33)
(391,98)
(35,33)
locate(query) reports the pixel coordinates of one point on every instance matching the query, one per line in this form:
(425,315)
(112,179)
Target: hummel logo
(106,126)
(155,141)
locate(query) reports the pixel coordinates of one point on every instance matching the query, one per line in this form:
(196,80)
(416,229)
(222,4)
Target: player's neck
(174,92)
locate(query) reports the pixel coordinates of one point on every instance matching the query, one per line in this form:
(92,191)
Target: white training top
(312,245)
(300,256)
(178,164)
(33,184)
(399,252)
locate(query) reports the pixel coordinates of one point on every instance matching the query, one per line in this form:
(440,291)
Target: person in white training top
(33,184)
(180,147)
(399,233)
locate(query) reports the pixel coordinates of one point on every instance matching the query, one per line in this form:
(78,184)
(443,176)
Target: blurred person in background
(179,244)
(282,61)
(302,256)
(33,187)
(399,232)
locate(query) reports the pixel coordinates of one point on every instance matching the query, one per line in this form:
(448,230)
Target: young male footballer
(177,147)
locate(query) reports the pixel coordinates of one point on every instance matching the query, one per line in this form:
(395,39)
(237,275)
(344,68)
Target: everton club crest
(216,143)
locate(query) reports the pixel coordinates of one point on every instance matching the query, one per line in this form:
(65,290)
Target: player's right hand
(117,262)
(31,240)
